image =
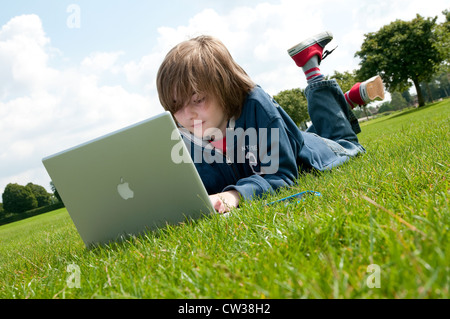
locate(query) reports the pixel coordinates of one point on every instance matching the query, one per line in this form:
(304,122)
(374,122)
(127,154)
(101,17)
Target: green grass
(389,207)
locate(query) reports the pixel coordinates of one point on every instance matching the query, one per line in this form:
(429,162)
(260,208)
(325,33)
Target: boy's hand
(224,202)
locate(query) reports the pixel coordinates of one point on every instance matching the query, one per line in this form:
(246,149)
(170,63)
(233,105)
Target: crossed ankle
(365,92)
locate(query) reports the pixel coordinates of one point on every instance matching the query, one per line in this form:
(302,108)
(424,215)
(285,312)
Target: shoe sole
(375,88)
(318,38)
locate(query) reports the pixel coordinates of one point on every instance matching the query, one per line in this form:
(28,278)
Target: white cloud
(102,61)
(22,60)
(142,74)
(44,110)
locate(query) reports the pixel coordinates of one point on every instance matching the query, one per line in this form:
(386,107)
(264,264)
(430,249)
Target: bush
(18,199)
(295,104)
(7,219)
(42,196)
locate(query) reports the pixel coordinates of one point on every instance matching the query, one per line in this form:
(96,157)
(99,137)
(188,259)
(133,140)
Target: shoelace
(327,53)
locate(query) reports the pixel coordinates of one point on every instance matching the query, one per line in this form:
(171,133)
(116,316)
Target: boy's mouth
(198,124)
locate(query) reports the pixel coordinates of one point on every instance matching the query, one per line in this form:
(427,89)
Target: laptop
(131,181)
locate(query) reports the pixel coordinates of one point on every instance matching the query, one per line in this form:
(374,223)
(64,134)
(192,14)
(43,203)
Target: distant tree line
(18,199)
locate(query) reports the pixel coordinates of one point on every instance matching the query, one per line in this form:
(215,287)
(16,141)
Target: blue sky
(112,25)
(61,86)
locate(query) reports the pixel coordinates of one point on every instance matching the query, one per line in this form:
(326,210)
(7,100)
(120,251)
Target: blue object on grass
(298,197)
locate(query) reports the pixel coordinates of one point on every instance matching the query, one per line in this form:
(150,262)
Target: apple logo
(124,190)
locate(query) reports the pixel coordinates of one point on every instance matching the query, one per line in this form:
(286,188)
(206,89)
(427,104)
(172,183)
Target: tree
(18,199)
(295,104)
(385,107)
(55,191)
(443,35)
(398,102)
(345,80)
(438,87)
(444,84)
(402,51)
(40,193)
(408,98)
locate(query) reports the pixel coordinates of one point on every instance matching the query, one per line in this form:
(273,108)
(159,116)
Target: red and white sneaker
(365,92)
(305,50)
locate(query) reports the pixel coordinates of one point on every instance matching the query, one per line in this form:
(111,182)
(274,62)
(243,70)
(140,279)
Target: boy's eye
(199,100)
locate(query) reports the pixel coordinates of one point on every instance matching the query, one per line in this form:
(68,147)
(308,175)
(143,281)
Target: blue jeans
(332,119)
(329,113)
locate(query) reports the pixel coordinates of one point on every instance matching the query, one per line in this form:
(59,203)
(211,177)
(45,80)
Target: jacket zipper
(229,162)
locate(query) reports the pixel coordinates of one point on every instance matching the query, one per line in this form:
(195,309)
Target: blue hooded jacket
(265,150)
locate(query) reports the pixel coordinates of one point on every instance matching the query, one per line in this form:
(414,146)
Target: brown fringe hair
(202,65)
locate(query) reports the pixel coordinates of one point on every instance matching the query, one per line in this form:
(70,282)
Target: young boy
(242,142)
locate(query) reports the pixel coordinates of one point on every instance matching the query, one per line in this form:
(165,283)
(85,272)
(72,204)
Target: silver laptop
(128,182)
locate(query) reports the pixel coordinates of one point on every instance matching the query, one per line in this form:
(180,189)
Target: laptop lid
(129,181)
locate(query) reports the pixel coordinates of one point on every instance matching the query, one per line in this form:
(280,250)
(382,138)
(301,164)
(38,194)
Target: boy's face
(203,117)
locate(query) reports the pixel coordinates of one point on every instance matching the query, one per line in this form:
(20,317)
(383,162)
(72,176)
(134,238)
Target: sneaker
(305,50)
(372,89)
(365,92)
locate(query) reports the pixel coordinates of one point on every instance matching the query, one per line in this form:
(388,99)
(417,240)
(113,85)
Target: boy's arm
(276,163)
(224,202)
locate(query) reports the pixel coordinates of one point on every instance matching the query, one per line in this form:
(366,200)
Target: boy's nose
(189,112)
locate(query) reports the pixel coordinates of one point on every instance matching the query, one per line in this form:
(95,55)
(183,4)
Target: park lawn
(380,230)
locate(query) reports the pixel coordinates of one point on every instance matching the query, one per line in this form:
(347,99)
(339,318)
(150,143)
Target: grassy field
(380,230)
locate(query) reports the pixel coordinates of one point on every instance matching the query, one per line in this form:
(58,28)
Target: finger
(220,207)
